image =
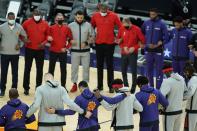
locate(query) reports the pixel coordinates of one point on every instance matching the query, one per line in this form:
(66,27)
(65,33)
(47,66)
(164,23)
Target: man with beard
(83,35)
(156,35)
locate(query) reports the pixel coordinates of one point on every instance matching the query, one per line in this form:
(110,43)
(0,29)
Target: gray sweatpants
(192,122)
(76,59)
(172,122)
(51,128)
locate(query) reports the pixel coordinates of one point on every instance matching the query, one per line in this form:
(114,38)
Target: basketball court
(71,121)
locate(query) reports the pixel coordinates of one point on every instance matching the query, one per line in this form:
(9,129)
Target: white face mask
(37,18)
(11,22)
(103,14)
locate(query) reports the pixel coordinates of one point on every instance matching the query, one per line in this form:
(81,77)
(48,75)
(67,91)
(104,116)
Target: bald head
(48,77)
(13,93)
(104,7)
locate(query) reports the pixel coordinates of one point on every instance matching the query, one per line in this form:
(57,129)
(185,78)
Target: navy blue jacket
(13,115)
(155,31)
(180,40)
(150,99)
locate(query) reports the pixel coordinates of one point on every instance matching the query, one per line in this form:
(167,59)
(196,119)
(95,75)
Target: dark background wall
(164,6)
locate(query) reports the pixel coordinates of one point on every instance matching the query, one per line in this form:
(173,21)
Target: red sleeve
(69,38)
(136,47)
(119,33)
(47,31)
(24,25)
(50,30)
(117,21)
(119,36)
(93,22)
(141,38)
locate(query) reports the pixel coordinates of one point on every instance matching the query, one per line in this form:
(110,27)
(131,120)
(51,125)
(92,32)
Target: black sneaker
(100,88)
(2,94)
(111,90)
(133,88)
(26,92)
(132,91)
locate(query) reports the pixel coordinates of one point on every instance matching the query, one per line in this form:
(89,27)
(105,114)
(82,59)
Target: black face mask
(60,22)
(127,27)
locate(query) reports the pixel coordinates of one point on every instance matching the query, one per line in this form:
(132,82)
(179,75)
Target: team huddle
(175,83)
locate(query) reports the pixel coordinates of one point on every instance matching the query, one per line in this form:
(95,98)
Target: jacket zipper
(80,36)
(152,30)
(177,41)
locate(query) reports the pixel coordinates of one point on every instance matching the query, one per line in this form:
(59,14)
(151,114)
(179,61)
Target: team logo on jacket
(152,99)
(18,114)
(91,106)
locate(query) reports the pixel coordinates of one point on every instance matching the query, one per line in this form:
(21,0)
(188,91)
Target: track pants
(51,128)
(76,59)
(154,59)
(192,120)
(172,122)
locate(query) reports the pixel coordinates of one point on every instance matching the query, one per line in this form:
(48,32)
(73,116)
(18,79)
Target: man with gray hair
(43,99)
(60,37)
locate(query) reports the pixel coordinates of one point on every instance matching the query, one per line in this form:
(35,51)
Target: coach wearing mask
(105,21)
(37,32)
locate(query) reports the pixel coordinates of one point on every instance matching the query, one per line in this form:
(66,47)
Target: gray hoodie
(51,94)
(173,88)
(10,38)
(192,95)
(81,34)
(124,110)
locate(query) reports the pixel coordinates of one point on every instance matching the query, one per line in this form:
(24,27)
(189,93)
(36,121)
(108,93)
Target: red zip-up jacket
(105,27)
(37,33)
(130,37)
(61,37)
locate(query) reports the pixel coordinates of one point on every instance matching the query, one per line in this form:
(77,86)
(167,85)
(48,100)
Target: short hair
(167,65)
(83,84)
(142,80)
(189,68)
(48,76)
(59,14)
(127,19)
(11,13)
(36,11)
(13,93)
(79,12)
(154,10)
(178,19)
(104,4)
(117,81)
